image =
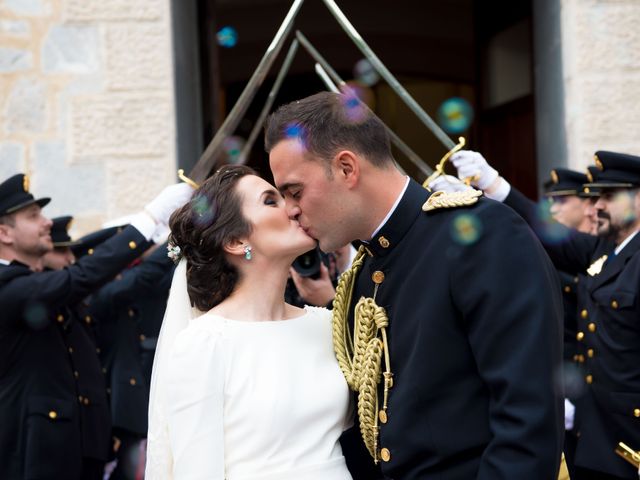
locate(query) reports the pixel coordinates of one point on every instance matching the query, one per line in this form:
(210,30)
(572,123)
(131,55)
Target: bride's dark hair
(201,228)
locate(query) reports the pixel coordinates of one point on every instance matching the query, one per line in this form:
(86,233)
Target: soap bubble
(364,72)
(227,37)
(455,115)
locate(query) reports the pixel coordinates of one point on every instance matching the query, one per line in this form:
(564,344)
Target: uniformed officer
(570,204)
(609,411)
(95,421)
(130,311)
(61,255)
(463,329)
(47,405)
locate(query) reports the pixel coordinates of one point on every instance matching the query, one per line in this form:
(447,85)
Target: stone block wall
(87,103)
(601,63)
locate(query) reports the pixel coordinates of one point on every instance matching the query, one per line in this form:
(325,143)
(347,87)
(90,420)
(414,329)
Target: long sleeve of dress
(194,405)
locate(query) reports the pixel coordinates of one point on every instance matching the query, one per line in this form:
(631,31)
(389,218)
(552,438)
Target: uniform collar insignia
(400,221)
(596,267)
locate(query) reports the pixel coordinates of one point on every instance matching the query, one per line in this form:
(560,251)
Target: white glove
(448,184)
(161,234)
(472,165)
(569,414)
(168,201)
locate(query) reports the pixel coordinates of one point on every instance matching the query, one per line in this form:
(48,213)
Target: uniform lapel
(614,266)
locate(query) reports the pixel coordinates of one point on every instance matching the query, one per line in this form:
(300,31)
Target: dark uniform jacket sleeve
(570,250)
(509,298)
(148,276)
(70,285)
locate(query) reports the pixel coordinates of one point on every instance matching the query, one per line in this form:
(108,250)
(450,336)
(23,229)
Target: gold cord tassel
(360,359)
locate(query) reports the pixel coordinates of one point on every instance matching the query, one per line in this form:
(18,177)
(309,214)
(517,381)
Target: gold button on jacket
(385,454)
(377,277)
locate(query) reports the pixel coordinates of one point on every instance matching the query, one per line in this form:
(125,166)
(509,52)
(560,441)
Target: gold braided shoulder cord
(360,358)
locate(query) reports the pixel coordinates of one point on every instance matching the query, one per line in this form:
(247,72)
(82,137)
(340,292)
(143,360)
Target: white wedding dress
(246,400)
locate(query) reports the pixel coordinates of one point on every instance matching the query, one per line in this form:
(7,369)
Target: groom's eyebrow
(287,186)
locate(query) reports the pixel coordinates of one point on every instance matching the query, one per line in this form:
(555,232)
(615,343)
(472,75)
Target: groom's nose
(293,210)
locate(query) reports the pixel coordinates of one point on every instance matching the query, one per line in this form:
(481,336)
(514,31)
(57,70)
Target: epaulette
(443,199)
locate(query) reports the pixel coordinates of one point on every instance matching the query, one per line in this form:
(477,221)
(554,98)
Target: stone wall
(87,103)
(601,63)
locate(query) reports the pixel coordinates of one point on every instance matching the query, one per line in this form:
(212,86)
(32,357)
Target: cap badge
(554,176)
(589,176)
(598,163)
(25,183)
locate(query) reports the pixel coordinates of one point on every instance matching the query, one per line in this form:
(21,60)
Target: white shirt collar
(4,262)
(393,208)
(625,242)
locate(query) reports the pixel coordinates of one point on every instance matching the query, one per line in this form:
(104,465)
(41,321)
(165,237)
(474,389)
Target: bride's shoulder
(205,326)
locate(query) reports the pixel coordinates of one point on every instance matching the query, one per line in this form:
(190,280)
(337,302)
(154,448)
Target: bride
(244,387)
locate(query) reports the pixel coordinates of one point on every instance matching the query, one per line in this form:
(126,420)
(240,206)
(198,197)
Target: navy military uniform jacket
(130,311)
(474,338)
(609,340)
(53,406)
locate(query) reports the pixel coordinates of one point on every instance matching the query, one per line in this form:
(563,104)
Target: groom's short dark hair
(328,122)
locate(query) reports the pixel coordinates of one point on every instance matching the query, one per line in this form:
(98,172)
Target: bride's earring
(247,252)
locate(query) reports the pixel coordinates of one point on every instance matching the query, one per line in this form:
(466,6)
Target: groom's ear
(346,166)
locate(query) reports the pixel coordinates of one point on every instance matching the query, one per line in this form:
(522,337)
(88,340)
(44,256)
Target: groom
(473,335)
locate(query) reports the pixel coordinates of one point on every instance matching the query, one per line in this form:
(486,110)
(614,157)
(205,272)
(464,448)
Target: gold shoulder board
(451,200)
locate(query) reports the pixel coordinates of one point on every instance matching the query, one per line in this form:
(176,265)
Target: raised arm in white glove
(449,184)
(156,213)
(168,201)
(473,167)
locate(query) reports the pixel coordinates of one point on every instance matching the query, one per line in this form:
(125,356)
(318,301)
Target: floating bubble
(354,108)
(623,203)
(294,131)
(466,229)
(35,315)
(233,146)
(227,37)
(551,230)
(364,72)
(131,460)
(362,92)
(455,115)
(570,379)
(203,210)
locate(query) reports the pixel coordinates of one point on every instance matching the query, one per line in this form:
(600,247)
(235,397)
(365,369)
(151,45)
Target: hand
(474,168)
(168,201)
(318,292)
(569,414)
(448,184)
